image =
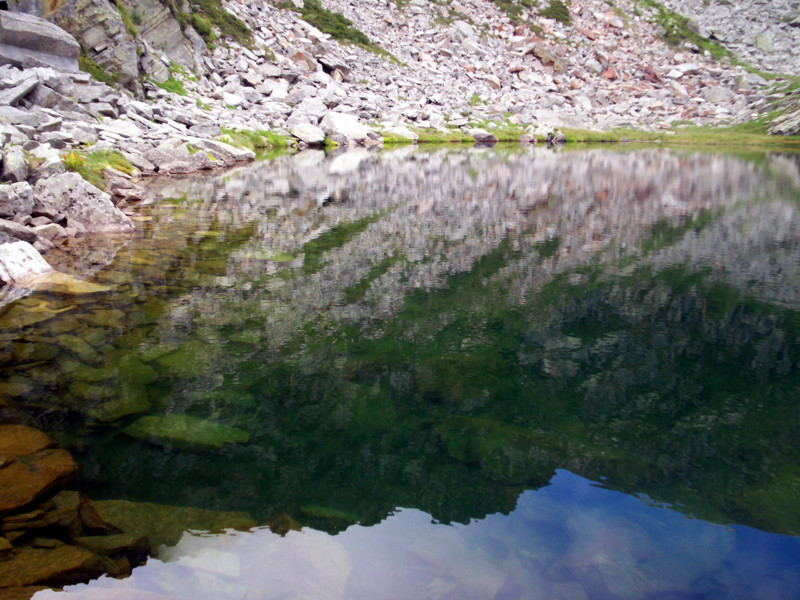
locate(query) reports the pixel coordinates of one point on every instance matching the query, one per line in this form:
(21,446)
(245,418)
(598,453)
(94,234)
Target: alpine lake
(437,373)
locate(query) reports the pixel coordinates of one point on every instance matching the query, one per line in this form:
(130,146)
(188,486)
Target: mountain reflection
(442,331)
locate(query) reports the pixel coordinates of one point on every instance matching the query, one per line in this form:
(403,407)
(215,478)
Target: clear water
(474,336)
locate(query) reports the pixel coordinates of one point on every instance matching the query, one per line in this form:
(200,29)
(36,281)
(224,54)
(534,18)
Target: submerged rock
(163,524)
(32,476)
(61,565)
(186,432)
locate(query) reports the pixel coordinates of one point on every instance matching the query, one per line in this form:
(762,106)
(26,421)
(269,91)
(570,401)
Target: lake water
(482,373)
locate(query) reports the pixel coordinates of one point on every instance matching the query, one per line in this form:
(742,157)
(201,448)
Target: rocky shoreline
(468,71)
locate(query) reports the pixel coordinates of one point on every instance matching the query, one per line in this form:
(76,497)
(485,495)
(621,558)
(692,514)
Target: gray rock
(308,133)
(14,94)
(20,260)
(78,199)
(47,97)
(17,231)
(223,153)
(29,41)
(481,136)
(717,94)
(16,199)
(15,167)
(344,126)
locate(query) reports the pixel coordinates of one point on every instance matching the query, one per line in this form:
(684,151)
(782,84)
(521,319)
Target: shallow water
(474,336)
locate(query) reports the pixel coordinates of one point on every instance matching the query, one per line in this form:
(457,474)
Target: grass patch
(90,165)
(127,20)
(172,85)
(204,28)
(254,140)
(677,31)
(339,27)
(393,139)
(556,10)
(435,136)
(97,72)
(208,14)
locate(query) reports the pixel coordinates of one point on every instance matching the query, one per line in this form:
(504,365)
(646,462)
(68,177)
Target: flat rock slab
(17,441)
(20,260)
(32,476)
(28,41)
(58,566)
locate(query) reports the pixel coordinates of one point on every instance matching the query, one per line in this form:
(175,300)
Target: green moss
(97,72)
(356,292)
(172,85)
(435,136)
(91,165)
(557,10)
(204,27)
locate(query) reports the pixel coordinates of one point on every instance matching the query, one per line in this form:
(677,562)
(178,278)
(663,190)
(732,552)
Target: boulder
(28,41)
(78,199)
(29,478)
(98,27)
(481,136)
(345,126)
(17,441)
(19,261)
(186,432)
(308,133)
(15,168)
(17,92)
(225,154)
(175,157)
(16,199)
(58,566)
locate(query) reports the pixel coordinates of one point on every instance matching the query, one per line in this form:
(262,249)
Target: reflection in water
(335,337)
(569,540)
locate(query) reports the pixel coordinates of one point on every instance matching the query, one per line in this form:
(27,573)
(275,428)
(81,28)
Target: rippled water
(474,336)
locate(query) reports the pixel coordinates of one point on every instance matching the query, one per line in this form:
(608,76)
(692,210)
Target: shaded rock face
(98,28)
(29,41)
(162,32)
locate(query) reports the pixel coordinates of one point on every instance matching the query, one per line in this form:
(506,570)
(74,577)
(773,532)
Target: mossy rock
(186,432)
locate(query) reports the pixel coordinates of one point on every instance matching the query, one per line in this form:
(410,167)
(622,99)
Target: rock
(717,94)
(98,27)
(186,432)
(225,154)
(16,199)
(29,41)
(15,167)
(134,547)
(73,196)
(163,524)
(24,481)
(310,134)
(344,125)
(19,261)
(481,136)
(17,441)
(15,94)
(62,565)
(161,31)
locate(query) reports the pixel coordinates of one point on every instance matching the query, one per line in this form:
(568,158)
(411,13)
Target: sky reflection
(570,540)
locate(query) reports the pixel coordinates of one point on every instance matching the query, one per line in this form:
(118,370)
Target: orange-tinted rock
(17,441)
(20,593)
(59,566)
(32,476)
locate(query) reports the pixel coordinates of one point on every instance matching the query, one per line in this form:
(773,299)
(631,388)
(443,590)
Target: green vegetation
(172,85)
(515,8)
(356,292)
(97,72)
(91,165)
(207,14)
(336,25)
(556,10)
(450,136)
(185,432)
(127,20)
(677,30)
(254,140)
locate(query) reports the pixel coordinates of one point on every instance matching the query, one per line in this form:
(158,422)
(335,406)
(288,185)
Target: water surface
(432,356)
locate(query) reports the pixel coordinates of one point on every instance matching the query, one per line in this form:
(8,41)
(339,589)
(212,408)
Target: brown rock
(20,593)
(60,513)
(17,441)
(32,476)
(135,547)
(610,73)
(62,565)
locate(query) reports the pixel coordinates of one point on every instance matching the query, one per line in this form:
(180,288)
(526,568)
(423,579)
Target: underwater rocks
(186,432)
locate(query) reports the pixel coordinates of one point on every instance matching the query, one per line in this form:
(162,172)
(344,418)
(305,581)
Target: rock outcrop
(27,41)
